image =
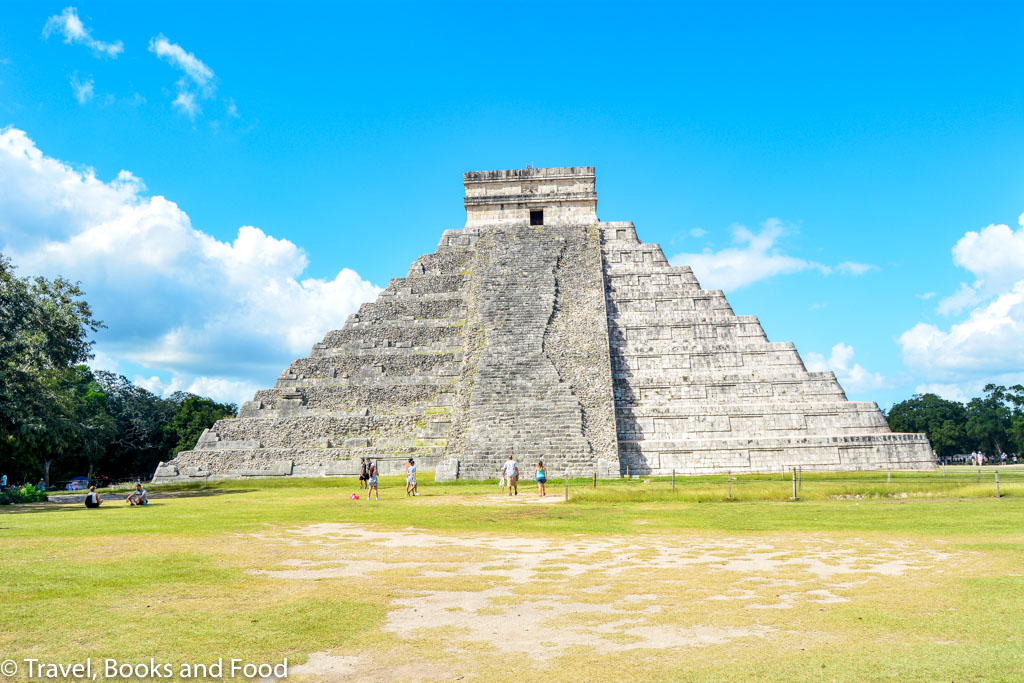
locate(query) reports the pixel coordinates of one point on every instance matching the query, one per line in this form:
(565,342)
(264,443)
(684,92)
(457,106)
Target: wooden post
(673,479)
(794,483)
(730,485)
(627,472)
(595,479)
(800,484)
(997,485)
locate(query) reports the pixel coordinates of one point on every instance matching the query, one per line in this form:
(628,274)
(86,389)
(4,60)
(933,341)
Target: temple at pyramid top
(541,332)
(531,196)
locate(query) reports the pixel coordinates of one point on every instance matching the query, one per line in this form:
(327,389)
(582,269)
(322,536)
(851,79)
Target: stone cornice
(489,200)
(529,174)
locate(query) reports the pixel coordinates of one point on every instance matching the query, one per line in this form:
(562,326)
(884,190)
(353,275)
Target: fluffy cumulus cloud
(852,376)
(197,80)
(69,25)
(986,345)
(224,317)
(755,256)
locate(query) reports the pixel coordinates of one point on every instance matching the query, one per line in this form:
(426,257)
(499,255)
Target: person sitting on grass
(371,484)
(138,496)
(92,499)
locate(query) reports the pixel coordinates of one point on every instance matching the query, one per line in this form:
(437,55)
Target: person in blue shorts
(371,482)
(542,478)
(138,496)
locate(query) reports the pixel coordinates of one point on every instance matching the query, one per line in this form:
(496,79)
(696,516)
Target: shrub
(29,494)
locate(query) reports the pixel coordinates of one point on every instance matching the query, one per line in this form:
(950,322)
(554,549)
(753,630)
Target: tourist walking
(411,488)
(542,478)
(92,499)
(364,473)
(371,483)
(501,477)
(512,474)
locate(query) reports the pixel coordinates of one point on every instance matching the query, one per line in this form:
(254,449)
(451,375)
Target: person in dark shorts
(364,473)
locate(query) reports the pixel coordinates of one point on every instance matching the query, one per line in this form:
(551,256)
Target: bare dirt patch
(601,593)
(331,667)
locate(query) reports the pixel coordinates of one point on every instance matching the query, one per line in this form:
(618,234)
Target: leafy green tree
(989,418)
(88,429)
(1017,433)
(141,417)
(195,414)
(943,421)
(44,330)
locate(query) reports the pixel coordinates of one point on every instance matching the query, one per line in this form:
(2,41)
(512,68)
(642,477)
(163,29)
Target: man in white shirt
(512,474)
(138,496)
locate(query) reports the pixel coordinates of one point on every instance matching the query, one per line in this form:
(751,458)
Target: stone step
(750,409)
(345,366)
(427,284)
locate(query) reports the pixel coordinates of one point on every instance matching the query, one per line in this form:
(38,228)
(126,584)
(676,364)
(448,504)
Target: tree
(990,418)
(141,419)
(941,420)
(44,330)
(195,414)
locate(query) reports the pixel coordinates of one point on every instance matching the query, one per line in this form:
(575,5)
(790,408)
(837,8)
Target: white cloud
(220,315)
(757,258)
(175,55)
(217,388)
(83,90)
(995,256)
(853,268)
(198,81)
(990,340)
(925,296)
(71,27)
(964,297)
(950,392)
(186,102)
(987,345)
(853,377)
(698,232)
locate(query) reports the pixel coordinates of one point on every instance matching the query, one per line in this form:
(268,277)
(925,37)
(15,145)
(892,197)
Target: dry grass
(417,589)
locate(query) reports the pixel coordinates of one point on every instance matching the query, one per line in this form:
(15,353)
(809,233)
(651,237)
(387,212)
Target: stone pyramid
(539,331)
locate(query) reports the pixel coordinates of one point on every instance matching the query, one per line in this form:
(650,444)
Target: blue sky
(230,181)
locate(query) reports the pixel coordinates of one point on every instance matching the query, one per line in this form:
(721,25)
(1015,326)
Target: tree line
(992,423)
(59,418)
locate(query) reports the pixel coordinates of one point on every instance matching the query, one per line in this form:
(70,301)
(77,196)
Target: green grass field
(628,580)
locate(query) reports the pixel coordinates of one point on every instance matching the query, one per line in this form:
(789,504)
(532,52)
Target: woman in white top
(92,499)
